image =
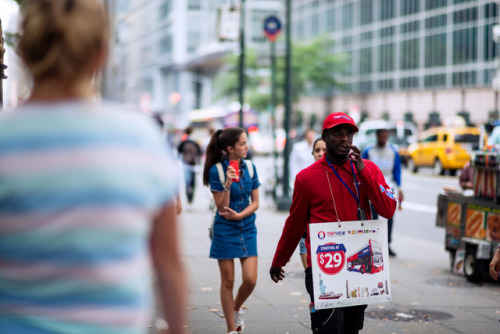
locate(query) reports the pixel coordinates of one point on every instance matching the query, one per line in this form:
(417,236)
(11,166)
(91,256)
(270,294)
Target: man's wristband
(226,188)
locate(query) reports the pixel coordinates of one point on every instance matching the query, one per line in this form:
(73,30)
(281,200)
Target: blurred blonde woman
(87,192)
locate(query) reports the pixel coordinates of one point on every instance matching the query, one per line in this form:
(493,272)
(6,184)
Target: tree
(314,68)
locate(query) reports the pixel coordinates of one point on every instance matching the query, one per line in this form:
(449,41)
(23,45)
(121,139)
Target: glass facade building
(396,46)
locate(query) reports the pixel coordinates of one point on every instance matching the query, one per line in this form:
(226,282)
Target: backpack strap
(250,167)
(220,170)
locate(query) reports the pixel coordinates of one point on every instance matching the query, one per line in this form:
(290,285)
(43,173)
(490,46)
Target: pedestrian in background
(300,156)
(236,197)
(87,192)
(319,149)
(466,177)
(190,153)
(338,187)
(386,157)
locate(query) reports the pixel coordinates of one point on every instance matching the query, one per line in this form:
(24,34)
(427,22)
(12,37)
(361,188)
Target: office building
(406,58)
(167,52)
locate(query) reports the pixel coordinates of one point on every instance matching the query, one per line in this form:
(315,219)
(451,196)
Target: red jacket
(312,202)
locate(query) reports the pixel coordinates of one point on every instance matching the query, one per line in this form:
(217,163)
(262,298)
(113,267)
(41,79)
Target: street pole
(273,113)
(242,60)
(2,66)
(285,202)
(272,29)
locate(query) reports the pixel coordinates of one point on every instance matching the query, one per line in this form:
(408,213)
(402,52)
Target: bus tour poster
(350,263)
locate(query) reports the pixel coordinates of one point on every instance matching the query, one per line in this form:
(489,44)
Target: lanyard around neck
(345,185)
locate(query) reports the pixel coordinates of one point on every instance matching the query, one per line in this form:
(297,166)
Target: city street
(427,298)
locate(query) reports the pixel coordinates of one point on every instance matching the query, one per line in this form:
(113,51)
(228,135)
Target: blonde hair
(63,38)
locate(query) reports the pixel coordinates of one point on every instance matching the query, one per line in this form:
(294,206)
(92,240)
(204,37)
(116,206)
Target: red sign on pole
(272,28)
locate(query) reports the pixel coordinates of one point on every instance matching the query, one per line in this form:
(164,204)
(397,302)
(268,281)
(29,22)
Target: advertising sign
(350,263)
(482,222)
(228,23)
(453,219)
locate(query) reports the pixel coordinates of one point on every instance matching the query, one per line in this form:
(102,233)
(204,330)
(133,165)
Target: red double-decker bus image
(367,260)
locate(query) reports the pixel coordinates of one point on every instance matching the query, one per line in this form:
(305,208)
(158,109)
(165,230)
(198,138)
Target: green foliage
(313,66)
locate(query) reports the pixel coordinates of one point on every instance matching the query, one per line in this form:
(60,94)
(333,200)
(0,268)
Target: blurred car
(443,149)
(401,134)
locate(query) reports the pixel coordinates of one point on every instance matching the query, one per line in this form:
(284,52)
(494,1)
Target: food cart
(472,223)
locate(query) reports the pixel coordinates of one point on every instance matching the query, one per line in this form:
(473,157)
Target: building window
(315,25)
(347,70)
(193,41)
(490,47)
(408,83)
(461,1)
(330,20)
(409,7)
(465,15)
(346,42)
(347,16)
(366,36)
(435,80)
(464,78)
(465,46)
(435,50)
(387,32)
(433,4)
(385,84)
(166,44)
(365,86)
(387,9)
(490,10)
(300,29)
(488,76)
(409,54)
(386,57)
(410,27)
(257,18)
(165,9)
(366,11)
(435,21)
(194,5)
(365,61)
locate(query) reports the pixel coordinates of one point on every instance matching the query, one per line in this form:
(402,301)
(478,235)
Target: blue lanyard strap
(345,185)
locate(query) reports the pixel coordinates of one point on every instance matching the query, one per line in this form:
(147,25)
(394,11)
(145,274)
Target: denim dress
(234,239)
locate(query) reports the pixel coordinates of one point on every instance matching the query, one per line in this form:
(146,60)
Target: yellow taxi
(443,149)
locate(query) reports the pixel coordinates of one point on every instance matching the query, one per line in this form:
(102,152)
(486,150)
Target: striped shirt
(79,186)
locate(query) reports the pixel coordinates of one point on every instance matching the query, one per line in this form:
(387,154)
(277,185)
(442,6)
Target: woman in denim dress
(234,234)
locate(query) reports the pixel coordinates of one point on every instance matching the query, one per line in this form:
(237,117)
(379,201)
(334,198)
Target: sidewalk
(427,298)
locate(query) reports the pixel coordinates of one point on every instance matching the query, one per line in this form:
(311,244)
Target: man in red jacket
(338,187)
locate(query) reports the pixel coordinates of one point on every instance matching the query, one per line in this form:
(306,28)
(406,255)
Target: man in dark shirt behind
(190,152)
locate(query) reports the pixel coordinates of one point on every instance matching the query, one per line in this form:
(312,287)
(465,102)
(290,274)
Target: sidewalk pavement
(427,298)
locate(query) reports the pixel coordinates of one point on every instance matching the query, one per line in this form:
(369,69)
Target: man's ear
(323,136)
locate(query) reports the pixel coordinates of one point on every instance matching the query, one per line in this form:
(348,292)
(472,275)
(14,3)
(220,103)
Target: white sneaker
(233,332)
(238,320)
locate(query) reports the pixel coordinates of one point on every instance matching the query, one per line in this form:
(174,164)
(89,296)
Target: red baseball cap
(339,118)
